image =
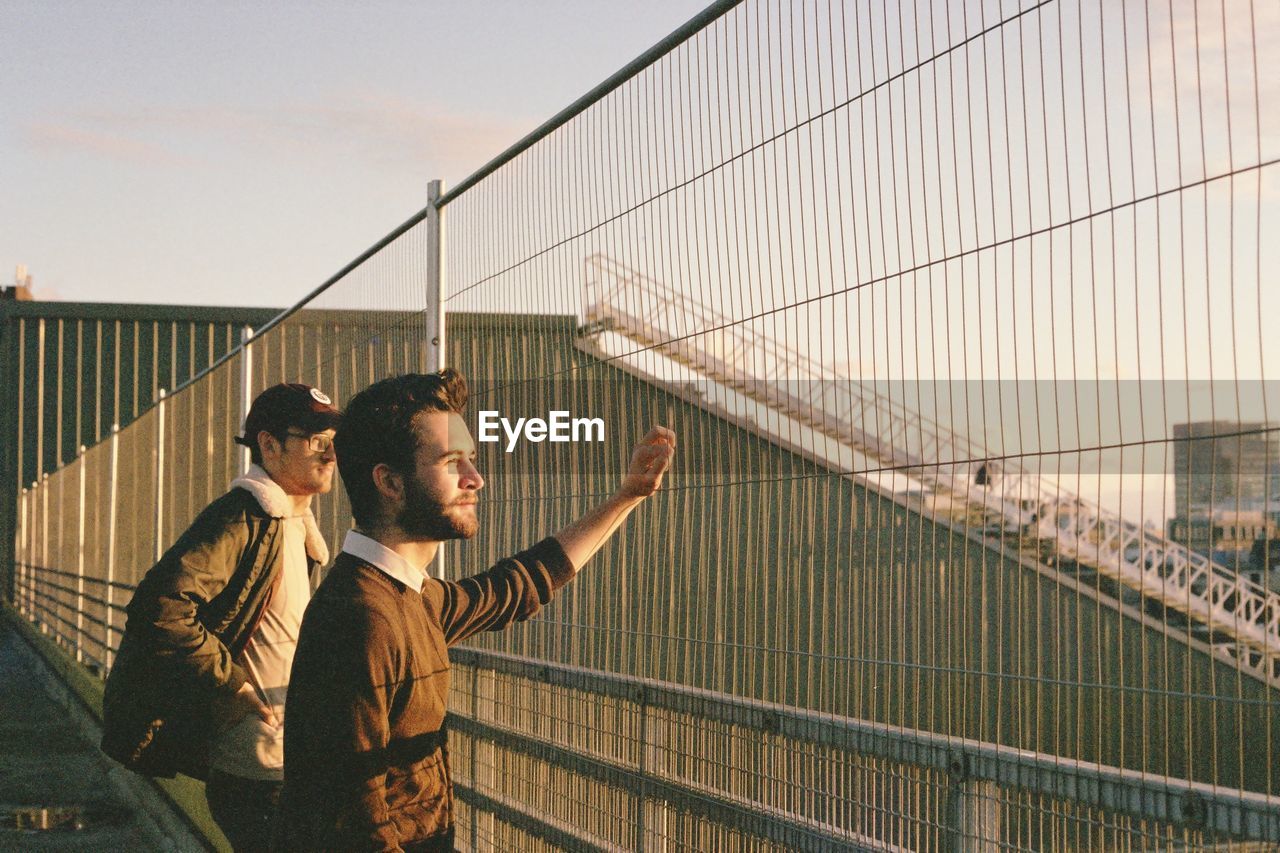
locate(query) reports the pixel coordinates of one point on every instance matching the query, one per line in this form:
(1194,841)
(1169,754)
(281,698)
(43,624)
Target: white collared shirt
(381,557)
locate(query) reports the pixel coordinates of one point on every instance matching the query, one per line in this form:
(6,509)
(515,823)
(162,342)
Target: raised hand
(649,462)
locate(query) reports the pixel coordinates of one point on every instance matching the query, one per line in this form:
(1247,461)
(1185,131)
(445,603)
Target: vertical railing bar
(79,442)
(246,391)
(80,560)
(115,380)
(160,465)
(28,550)
(20,554)
(33,514)
(642,765)
(39,399)
(135,349)
(21,342)
(57,407)
(475,774)
(112,506)
(97,382)
(44,545)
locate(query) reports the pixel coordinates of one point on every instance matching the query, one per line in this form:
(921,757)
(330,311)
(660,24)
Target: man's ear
(388,481)
(268,444)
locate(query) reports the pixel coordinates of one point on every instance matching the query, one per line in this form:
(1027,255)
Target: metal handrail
(1116,790)
(86,578)
(71,605)
(681,34)
(51,613)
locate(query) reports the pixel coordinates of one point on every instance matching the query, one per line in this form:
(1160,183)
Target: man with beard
(366,766)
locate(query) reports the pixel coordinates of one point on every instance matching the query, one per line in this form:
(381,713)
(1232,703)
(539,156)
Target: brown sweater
(365,763)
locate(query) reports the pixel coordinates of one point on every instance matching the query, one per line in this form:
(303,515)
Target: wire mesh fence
(934,296)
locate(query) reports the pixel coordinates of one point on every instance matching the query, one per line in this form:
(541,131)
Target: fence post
(434,308)
(80,562)
(640,696)
(55,599)
(39,398)
(29,552)
(112,505)
(475,748)
(973,810)
(33,509)
(159,543)
(246,390)
(20,555)
(44,547)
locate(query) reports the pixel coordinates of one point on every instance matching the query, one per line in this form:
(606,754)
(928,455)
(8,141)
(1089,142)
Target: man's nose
(470,478)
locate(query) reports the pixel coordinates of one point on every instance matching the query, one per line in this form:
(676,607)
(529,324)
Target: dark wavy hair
(377,428)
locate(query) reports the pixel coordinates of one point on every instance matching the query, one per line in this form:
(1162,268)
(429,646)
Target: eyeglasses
(318,443)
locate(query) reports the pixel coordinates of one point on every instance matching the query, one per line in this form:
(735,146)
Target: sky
(241,153)
(1070,176)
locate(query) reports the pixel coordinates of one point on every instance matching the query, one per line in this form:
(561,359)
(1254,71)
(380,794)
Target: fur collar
(276,504)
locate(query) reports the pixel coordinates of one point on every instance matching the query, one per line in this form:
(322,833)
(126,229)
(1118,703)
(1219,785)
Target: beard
(426,516)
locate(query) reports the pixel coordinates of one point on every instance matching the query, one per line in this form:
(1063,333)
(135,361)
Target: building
(20,290)
(1226,490)
(1225,465)
(70,371)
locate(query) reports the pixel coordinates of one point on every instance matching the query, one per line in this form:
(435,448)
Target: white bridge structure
(738,369)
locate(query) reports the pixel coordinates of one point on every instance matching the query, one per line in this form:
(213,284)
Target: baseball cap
(289,404)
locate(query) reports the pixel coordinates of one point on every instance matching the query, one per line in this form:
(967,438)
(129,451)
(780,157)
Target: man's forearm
(588,534)
(168,623)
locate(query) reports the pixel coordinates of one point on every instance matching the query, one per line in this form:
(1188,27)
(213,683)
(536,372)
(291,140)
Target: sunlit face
(440,497)
(296,466)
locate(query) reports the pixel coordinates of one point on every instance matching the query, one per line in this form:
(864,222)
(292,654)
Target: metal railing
(953,793)
(783,649)
(892,436)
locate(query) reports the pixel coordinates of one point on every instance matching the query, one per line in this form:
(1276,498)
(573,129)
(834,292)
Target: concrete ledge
(177,805)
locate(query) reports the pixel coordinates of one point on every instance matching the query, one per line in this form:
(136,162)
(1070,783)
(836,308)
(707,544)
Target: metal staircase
(962,484)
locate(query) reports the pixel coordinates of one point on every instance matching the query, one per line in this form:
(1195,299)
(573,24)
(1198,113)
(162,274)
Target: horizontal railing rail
(87,578)
(1144,796)
(61,609)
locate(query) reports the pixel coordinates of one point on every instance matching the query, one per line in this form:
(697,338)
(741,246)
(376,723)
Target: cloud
(71,137)
(390,132)
(400,132)
(1199,64)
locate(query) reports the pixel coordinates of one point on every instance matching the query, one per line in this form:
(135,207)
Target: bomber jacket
(189,619)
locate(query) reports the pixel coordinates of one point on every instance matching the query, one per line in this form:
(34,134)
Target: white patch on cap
(320,397)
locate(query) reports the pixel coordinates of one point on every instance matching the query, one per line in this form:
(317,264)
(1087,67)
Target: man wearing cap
(199,683)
